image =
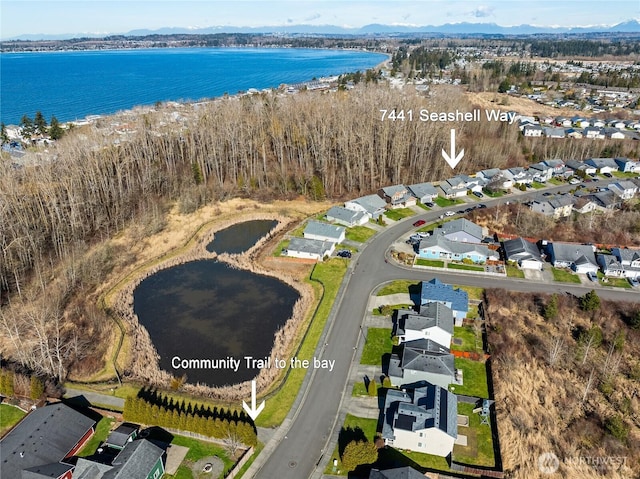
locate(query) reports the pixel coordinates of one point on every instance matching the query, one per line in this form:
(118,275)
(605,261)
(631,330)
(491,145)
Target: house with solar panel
(423,420)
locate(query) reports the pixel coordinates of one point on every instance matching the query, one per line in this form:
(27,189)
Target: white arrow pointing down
(252,411)
(452,159)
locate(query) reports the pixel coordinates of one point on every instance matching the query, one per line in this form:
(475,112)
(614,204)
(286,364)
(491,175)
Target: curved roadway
(300,454)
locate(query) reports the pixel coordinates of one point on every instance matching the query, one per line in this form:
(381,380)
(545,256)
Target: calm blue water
(72,85)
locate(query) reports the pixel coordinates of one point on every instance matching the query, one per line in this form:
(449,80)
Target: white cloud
(482,11)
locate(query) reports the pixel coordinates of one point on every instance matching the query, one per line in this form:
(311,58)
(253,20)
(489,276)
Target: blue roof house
(435,291)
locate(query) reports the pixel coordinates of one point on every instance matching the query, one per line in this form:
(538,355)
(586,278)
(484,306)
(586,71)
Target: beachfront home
(423,420)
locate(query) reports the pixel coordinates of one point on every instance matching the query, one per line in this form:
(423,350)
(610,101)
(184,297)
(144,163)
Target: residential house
(553,132)
(627,166)
(573,133)
(580,122)
(610,265)
(605,200)
(397,473)
(43,442)
(630,261)
(563,121)
(625,189)
(345,217)
(523,252)
(618,124)
(397,196)
(584,204)
(603,165)
(433,321)
(422,360)
(435,291)
(541,172)
(558,206)
(580,258)
(557,166)
(317,230)
(461,230)
(593,132)
(309,248)
(372,205)
(532,130)
(519,175)
(423,420)
(614,134)
(139,459)
(441,248)
(598,123)
(424,192)
(454,188)
(488,174)
(123,434)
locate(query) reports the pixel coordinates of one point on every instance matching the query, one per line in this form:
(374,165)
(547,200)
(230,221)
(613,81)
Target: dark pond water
(240,237)
(206,310)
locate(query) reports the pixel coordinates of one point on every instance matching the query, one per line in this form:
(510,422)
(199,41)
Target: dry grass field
(557,392)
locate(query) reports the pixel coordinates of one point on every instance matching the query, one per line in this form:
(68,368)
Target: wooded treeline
(94,182)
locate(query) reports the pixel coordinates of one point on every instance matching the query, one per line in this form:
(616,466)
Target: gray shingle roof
(344,215)
(44,436)
(55,470)
(602,162)
(461,225)
(371,203)
(522,248)
(571,253)
(455,247)
(397,473)
(317,228)
(430,315)
(422,189)
(309,246)
(135,460)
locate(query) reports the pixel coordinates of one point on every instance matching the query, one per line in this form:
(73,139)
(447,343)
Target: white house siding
(435,334)
(531,264)
(433,441)
(331,239)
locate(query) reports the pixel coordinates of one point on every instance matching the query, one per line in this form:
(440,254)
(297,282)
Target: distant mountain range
(465,28)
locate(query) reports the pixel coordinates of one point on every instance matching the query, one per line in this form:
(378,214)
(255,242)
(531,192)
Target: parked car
(429,205)
(450,213)
(419,223)
(592,276)
(608,175)
(634,282)
(574,181)
(478,194)
(482,205)
(344,253)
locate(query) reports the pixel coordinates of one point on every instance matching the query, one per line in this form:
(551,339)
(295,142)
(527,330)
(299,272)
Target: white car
(574,181)
(449,213)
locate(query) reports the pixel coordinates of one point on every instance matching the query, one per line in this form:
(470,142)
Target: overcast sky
(120,16)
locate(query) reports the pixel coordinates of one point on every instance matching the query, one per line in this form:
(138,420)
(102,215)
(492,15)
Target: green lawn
(537,185)
(9,417)
(620,174)
(102,431)
(556,181)
(378,343)
(473,292)
(198,450)
(474,376)
(399,213)
(514,272)
(479,448)
(472,313)
(398,286)
(368,427)
(564,276)
(376,311)
(284,244)
(359,389)
(359,234)
(471,341)
(468,267)
(616,283)
(329,274)
(430,262)
(445,202)
(423,206)
(493,194)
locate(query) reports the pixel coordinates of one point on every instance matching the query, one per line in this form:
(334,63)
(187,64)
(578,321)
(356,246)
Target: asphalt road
(299,453)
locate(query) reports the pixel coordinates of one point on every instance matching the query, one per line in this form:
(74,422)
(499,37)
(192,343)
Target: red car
(419,223)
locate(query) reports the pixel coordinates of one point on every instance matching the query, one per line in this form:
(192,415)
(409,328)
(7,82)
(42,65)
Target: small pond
(206,310)
(240,237)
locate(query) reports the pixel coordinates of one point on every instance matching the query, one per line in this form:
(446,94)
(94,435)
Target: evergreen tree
(36,388)
(4,138)
(9,390)
(357,453)
(551,309)
(373,388)
(386,382)
(27,127)
(40,124)
(55,130)
(590,301)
